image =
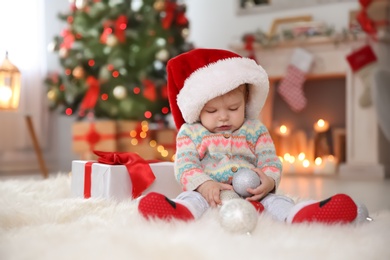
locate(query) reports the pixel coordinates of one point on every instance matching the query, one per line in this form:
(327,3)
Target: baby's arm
(188,169)
(269,166)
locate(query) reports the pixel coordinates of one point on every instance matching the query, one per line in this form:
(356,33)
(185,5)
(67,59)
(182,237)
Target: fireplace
(307,138)
(333,93)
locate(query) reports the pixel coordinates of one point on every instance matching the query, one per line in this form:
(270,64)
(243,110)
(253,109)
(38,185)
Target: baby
(216,97)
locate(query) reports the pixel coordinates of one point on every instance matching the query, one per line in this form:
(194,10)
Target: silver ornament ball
(244,179)
(238,216)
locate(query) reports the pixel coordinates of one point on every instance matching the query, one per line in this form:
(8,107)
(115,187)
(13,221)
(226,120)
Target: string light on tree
(159,5)
(78,72)
(138,137)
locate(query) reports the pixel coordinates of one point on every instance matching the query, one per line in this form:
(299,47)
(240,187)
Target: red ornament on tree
(91,96)
(149,90)
(68,39)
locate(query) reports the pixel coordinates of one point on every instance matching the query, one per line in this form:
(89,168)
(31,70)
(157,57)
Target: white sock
(194,202)
(278,206)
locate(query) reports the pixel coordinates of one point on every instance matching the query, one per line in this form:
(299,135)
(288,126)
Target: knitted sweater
(202,156)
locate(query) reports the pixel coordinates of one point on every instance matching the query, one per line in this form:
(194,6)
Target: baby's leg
(194,201)
(278,206)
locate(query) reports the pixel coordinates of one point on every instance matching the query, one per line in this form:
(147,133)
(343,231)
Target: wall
(213,24)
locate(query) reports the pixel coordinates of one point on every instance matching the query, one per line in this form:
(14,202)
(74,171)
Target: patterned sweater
(202,155)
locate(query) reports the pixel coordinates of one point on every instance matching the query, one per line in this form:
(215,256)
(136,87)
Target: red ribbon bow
(67,39)
(141,175)
(366,23)
(91,96)
(120,27)
(117,27)
(173,15)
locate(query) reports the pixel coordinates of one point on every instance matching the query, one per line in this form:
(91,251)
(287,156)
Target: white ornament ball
(111,40)
(120,92)
(51,46)
(162,55)
(63,52)
(185,33)
(238,216)
(244,179)
(80,4)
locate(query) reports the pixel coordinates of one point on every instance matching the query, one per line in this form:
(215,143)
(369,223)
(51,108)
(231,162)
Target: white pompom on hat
(197,76)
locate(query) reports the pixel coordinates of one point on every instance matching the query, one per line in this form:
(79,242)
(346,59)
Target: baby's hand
(211,191)
(266,186)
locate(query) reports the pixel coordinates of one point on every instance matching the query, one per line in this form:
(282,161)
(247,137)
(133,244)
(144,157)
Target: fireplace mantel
(362,135)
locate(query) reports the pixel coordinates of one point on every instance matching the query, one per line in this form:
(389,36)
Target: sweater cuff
(197,181)
(274,173)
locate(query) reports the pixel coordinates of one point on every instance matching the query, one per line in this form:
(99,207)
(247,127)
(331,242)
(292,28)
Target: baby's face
(225,113)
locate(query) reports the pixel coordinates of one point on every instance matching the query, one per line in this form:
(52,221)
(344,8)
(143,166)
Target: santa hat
(197,76)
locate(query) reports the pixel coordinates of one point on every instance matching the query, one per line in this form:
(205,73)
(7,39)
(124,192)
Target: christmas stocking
(363,62)
(291,87)
(381,95)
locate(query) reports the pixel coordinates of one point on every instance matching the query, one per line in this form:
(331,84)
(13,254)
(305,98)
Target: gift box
(135,136)
(167,139)
(96,135)
(114,182)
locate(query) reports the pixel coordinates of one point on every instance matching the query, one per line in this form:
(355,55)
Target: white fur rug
(40,220)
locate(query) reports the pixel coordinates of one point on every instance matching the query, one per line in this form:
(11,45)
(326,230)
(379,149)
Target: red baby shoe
(339,208)
(156,205)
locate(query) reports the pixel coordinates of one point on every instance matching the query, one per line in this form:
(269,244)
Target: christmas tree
(114,54)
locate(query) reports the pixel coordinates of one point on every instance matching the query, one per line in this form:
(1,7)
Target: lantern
(9,100)
(9,85)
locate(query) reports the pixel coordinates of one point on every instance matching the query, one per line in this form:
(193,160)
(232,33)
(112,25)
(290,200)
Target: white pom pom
(238,216)
(362,213)
(244,179)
